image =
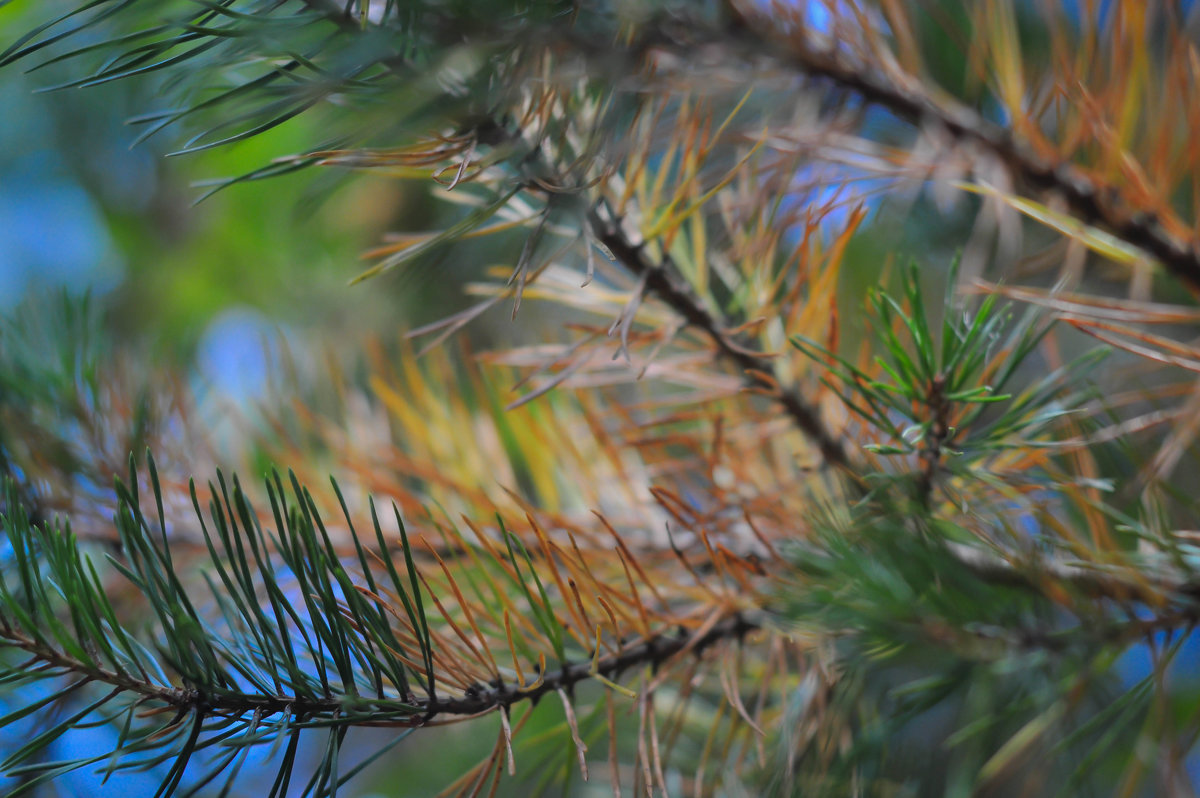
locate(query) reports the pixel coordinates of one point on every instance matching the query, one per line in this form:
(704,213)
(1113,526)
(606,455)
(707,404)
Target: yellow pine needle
(665,165)
(720,131)
(669,221)
(1093,238)
(541,675)
(513,650)
(594,671)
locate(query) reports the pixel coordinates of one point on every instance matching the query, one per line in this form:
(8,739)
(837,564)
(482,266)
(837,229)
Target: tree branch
(654,652)
(664,281)
(1093,204)
(416,711)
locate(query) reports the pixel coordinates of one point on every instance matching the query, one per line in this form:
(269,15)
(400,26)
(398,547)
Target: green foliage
(929,380)
(251,668)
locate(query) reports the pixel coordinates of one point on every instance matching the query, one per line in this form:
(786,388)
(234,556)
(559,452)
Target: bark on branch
(1094,204)
(664,281)
(397,711)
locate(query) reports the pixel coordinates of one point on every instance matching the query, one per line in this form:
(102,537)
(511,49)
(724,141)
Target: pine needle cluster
(737,524)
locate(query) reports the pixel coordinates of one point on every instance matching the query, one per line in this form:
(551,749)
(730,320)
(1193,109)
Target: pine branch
(352,636)
(349,652)
(655,652)
(1094,204)
(663,280)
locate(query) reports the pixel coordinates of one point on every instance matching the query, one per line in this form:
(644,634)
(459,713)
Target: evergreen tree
(762,514)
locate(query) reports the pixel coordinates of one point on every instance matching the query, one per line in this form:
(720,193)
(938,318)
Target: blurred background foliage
(87,210)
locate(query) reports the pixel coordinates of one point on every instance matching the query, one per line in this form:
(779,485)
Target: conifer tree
(758,516)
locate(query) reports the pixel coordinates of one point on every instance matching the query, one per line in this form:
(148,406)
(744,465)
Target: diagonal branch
(1093,204)
(663,280)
